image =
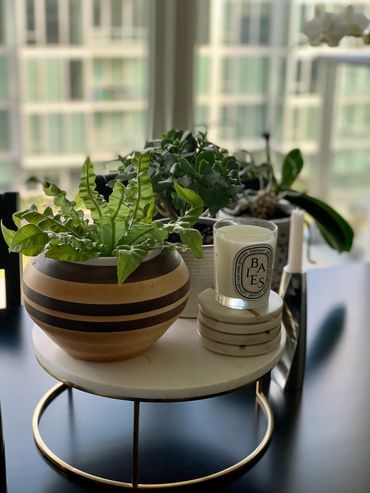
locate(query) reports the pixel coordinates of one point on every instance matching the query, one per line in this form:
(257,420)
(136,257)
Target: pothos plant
(267,197)
(188,159)
(122,227)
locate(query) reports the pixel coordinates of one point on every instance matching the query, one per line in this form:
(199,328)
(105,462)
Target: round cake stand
(150,377)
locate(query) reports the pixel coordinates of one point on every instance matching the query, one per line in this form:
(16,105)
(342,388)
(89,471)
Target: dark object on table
(10,262)
(289,372)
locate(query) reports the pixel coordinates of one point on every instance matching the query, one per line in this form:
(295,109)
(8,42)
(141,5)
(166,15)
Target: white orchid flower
(355,22)
(325,27)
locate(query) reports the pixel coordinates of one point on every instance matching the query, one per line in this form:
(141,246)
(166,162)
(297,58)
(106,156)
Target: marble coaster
(243,329)
(238,339)
(240,350)
(213,309)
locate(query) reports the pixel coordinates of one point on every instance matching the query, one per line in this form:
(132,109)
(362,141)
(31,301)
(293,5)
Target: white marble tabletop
(177,367)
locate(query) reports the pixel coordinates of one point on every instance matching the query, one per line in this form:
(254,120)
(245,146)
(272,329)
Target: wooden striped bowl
(83,309)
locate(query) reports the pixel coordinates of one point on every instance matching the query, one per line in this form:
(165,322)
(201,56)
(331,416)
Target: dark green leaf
(68,253)
(292,166)
(8,234)
(29,240)
(192,239)
(335,229)
(129,259)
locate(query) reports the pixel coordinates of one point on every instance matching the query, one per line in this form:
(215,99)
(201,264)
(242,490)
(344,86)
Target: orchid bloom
(330,28)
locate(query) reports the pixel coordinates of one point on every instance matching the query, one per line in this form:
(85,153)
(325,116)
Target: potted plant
(267,197)
(105,288)
(191,160)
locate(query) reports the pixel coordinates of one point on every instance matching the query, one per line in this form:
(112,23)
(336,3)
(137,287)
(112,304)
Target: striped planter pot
(83,309)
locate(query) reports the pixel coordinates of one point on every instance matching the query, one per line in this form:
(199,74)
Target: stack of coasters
(239,332)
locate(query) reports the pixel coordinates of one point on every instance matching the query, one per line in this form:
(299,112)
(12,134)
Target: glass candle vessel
(244,260)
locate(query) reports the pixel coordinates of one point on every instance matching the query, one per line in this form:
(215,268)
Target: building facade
(74,81)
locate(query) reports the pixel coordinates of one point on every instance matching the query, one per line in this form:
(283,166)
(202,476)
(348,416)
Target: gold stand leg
(245,463)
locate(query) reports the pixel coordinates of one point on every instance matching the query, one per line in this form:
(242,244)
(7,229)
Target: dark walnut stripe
(103,309)
(67,271)
(83,326)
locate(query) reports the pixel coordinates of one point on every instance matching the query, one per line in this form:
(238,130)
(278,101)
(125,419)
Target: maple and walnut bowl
(83,310)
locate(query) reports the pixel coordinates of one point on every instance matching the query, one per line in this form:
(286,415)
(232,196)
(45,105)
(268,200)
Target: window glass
(265,24)
(4,131)
(30,15)
(202,73)
(96,12)
(245,21)
(140,9)
(116,13)
(52,21)
(76,79)
(54,80)
(6,175)
(202,115)
(75,21)
(55,142)
(31,22)
(77,133)
(203,22)
(33,80)
(2,26)
(3,81)
(313,123)
(35,144)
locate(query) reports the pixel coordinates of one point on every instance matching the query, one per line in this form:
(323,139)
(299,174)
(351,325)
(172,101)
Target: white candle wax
(295,241)
(244,256)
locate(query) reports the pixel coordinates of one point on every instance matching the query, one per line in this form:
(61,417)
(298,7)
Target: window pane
(54,80)
(55,133)
(75,21)
(202,74)
(6,175)
(2,26)
(34,134)
(4,131)
(116,13)
(58,76)
(52,21)
(30,14)
(76,79)
(96,13)
(30,22)
(245,24)
(265,24)
(232,81)
(203,22)
(3,81)
(77,133)
(32,80)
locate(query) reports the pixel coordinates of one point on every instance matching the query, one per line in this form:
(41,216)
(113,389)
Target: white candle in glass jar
(244,257)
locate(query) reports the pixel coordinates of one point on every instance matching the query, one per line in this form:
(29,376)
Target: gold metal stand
(248,461)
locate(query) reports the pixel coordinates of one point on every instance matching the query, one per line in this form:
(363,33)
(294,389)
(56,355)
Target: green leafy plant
(190,160)
(264,193)
(123,226)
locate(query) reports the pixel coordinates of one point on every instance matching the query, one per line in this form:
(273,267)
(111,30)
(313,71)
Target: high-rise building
(74,81)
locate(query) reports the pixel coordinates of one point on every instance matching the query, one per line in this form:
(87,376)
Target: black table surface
(321,441)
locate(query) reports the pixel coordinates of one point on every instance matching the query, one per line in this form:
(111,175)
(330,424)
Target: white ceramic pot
(201,274)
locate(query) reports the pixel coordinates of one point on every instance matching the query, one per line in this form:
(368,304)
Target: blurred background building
(74,80)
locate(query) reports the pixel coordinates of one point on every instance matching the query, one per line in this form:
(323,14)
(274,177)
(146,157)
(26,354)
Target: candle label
(252,271)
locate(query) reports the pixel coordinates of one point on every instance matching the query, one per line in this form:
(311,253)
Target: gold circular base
(243,464)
